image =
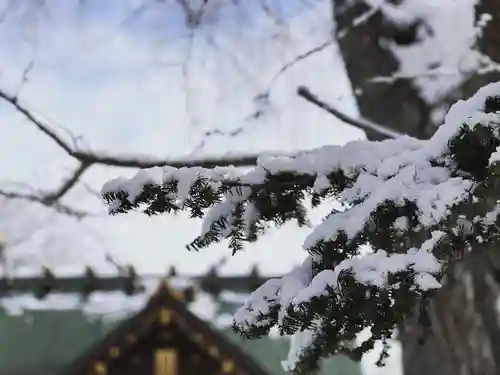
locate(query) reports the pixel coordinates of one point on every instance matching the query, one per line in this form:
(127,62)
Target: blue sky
(146,86)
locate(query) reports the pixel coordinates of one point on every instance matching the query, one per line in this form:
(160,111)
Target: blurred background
(184,81)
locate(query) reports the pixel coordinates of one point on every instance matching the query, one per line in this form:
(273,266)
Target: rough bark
(464,336)
(360,34)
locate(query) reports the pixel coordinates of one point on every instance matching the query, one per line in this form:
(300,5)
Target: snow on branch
(446,34)
(419,204)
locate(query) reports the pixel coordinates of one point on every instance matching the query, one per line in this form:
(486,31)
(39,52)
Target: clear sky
(129,77)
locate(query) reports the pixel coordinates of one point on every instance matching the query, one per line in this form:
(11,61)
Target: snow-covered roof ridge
(435,184)
(101,303)
(115,305)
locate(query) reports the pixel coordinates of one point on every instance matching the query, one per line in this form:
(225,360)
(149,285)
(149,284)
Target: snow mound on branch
(298,343)
(388,171)
(445,54)
(372,269)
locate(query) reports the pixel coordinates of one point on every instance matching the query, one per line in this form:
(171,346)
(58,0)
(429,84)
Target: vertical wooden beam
(213,351)
(100,368)
(166,362)
(227,367)
(131,338)
(165,316)
(114,352)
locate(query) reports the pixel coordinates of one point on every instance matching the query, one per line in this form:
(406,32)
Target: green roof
(44,342)
(270,352)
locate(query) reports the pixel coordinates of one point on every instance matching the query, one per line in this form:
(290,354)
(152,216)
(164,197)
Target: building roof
(74,326)
(165,301)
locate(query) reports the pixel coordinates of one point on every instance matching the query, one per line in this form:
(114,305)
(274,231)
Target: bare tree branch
(193,16)
(26,73)
(42,127)
(129,161)
(303,56)
(53,199)
(68,184)
(144,161)
(43,199)
(88,158)
(360,123)
(290,64)
(186,78)
(360,20)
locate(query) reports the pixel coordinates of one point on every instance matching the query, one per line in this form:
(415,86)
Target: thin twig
(360,123)
(193,16)
(290,64)
(43,200)
(41,126)
(69,183)
(130,161)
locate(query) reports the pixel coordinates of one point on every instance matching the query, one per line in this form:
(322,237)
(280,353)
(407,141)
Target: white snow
(298,343)
(372,269)
(491,217)
(321,183)
(495,156)
(444,56)
(401,223)
(394,365)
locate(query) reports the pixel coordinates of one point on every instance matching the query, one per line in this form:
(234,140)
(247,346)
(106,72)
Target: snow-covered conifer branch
(420,205)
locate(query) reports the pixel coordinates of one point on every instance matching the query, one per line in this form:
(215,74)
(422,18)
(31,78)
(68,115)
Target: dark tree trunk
(397,105)
(464,334)
(464,337)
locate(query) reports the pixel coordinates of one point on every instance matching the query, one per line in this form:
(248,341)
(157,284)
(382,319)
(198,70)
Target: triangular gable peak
(165,338)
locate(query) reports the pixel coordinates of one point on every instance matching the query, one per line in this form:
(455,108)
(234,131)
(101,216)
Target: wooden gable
(165,338)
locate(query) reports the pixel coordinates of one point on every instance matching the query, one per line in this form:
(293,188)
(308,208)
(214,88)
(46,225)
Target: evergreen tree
(421,205)
(405,42)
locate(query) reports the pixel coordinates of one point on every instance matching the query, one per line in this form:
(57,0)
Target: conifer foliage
(419,205)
